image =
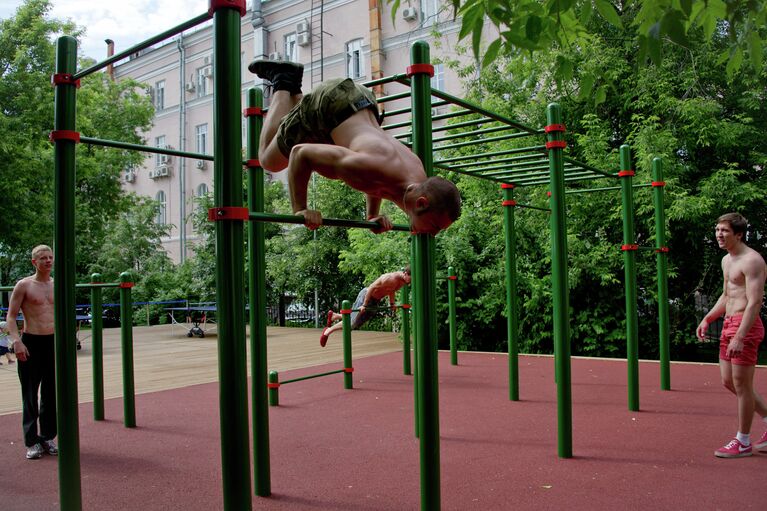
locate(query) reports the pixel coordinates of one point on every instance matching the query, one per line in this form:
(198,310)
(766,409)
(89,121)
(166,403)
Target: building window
(438,80)
(202,82)
(354,59)
(430,9)
(201,134)
(162,205)
(160,143)
(202,190)
(291,48)
(159,95)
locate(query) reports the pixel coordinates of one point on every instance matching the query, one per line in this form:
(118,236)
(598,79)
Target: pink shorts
(750,344)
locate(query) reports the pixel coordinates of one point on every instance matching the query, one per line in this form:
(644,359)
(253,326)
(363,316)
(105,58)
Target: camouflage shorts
(321,111)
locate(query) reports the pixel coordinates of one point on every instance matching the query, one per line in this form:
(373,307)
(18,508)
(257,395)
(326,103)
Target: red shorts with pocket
(750,344)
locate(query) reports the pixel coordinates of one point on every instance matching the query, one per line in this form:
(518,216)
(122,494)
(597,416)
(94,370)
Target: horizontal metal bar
(505,152)
(514,160)
(385,79)
(589,167)
(521,180)
(567,179)
(407,110)
(463,172)
(100,284)
(309,377)
(606,188)
(144,148)
(393,97)
(202,18)
(327,222)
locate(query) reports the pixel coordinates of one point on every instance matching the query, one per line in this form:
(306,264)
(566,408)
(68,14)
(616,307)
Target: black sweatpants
(38,373)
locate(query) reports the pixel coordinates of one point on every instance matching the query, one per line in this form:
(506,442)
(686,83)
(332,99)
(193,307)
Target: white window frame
(430,10)
(201,82)
(438,80)
(159,95)
(201,136)
(162,208)
(160,142)
(291,47)
(202,190)
(355,59)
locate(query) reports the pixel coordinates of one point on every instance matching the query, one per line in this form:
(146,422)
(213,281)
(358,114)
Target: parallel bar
(661,264)
(589,167)
(65,325)
(328,222)
(257,299)
(630,282)
(517,171)
(230,264)
(92,285)
(405,110)
(607,188)
(495,153)
(202,18)
(514,161)
(385,79)
(392,97)
(560,290)
(528,206)
(463,124)
(519,150)
(448,115)
(578,177)
(144,148)
(311,376)
(466,173)
(482,131)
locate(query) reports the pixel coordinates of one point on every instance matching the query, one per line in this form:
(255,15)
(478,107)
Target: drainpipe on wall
(182,147)
(110,52)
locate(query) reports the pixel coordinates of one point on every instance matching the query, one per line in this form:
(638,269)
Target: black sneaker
(35,452)
(49,446)
(281,75)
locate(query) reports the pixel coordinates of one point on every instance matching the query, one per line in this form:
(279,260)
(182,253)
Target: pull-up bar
(327,222)
(606,188)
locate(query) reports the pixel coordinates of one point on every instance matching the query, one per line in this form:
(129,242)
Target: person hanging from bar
(335,131)
(34,350)
(744,276)
(368,298)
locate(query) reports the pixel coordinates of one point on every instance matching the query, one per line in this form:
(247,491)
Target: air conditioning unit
(275,55)
(164,159)
(302,27)
(129,176)
(303,39)
(207,72)
(201,164)
(189,86)
(207,60)
(410,14)
(161,171)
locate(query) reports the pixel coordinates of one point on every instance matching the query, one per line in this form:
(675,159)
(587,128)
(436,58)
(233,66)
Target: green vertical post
(425,292)
(405,310)
(413,273)
(560,291)
(451,278)
(227,187)
(257,299)
(126,343)
(661,264)
(97,337)
(629,249)
(512,320)
(347,331)
(274,389)
(65,323)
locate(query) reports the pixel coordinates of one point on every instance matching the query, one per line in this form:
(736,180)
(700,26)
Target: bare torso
(36,305)
(394,166)
(736,267)
(386,285)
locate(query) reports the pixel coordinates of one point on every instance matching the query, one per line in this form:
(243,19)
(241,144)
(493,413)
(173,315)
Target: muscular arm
(17,298)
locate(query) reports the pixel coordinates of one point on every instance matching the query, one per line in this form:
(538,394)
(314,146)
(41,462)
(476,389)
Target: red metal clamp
(228,213)
(556,144)
(215,5)
(420,68)
(506,186)
(626,173)
(275,385)
(509,203)
(64,135)
(452,277)
(345,311)
(658,183)
(253,164)
(662,249)
(554,127)
(629,247)
(253,110)
(348,369)
(405,305)
(65,79)
(125,285)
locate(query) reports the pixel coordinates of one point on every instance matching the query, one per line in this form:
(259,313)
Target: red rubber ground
(355,450)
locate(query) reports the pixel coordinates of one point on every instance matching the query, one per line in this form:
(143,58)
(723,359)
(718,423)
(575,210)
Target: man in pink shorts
(744,277)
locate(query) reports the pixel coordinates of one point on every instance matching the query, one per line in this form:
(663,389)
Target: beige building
(332,38)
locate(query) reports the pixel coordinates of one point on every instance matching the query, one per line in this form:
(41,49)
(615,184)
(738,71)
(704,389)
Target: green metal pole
(560,289)
(65,323)
(405,299)
(425,295)
(274,389)
(629,264)
(512,320)
(661,263)
(451,278)
(98,352)
(347,330)
(126,342)
(413,273)
(257,299)
(232,351)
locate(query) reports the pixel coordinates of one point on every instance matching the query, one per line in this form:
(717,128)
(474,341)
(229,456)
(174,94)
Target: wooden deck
(165,358)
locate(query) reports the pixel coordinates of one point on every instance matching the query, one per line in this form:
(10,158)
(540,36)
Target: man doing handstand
(335,131)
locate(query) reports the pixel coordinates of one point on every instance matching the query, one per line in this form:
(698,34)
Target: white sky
(126,22)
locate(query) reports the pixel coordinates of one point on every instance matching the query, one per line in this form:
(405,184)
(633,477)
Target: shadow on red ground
(333,449)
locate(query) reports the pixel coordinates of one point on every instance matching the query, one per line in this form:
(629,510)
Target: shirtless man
(744,276)
(385,285)
(335,131)
(34,349)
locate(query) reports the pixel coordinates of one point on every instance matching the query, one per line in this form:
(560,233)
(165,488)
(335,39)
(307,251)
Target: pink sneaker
(733,450)
(761,444)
